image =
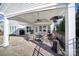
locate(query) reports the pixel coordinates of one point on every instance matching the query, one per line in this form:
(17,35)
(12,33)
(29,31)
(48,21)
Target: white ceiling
(45,15)
(19,11)
(11,8)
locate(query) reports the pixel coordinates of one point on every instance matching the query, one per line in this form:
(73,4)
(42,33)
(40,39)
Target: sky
(1,17)
(76,7)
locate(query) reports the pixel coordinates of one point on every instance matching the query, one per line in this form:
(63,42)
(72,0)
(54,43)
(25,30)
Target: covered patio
(29,13)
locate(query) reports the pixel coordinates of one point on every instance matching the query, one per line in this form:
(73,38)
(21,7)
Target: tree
(61,27)
(77,31)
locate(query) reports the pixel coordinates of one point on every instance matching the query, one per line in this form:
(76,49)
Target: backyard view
(35,45)
(1,30)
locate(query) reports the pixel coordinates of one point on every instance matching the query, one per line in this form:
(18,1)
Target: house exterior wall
(16,26)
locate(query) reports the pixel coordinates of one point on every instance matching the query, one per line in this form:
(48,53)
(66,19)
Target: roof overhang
(35,9)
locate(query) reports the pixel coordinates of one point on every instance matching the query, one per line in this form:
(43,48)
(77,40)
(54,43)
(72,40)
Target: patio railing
(75,43)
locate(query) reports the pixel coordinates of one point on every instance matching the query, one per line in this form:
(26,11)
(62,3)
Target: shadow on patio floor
(45,47)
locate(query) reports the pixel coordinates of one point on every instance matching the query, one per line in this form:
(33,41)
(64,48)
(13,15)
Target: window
(40,28)
(48,27)
(44,28)
(15,28)
(28,29)
(36,29)
(12,29)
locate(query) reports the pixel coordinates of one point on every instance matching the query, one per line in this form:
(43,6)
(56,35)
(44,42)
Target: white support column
(6,33)
(70,30)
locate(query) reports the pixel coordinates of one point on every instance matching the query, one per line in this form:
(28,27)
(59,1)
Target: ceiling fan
(38,20)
